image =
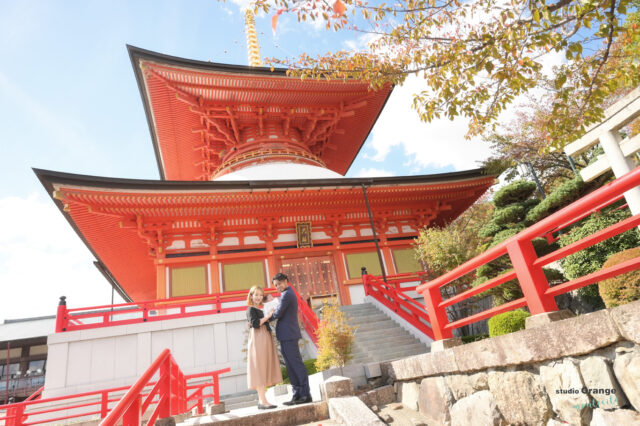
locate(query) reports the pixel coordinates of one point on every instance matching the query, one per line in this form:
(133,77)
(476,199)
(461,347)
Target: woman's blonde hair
(252,291)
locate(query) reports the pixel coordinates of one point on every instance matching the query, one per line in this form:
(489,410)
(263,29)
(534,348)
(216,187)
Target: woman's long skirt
(263,365)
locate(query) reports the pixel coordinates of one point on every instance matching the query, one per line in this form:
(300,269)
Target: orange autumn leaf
(274,20)
(339,8)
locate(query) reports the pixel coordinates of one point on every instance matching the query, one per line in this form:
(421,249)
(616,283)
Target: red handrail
(308,317)
(394,297)
(40,410)
(139,312)
(538,296)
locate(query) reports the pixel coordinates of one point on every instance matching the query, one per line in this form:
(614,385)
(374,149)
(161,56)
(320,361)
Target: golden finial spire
(252,38)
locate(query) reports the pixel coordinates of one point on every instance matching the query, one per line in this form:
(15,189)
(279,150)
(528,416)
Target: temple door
(313,277)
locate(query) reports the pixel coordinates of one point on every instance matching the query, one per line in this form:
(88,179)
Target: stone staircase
(379,338)
(240,400)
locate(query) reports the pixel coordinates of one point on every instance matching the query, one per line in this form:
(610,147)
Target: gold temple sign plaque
(303,234)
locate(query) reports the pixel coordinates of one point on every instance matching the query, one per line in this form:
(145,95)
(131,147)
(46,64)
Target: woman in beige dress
(263,365)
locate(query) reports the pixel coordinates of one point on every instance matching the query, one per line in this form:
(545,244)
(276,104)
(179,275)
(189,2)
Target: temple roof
(126,223)
(202,115)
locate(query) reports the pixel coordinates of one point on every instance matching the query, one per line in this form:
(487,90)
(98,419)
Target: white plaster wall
(356,292)
(88,360)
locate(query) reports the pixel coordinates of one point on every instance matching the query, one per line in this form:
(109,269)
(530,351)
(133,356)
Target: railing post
(532,280)
(164,398)
(200,402)
(61,317)
(15,414)
(104,404)
(132,416)
(175,388)
(216,389)
(365,280)
(437,315)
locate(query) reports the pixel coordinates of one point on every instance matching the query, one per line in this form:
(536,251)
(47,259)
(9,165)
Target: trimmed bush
(624,288)
(531,203)
(473,338)
(507,322)
(515,192)
(563,195)
(489,230)
(505,235)
(309,364)
(510,214)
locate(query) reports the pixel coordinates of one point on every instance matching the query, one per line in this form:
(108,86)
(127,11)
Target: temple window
(355,261)
(243,276)
(405,260)
(188,281)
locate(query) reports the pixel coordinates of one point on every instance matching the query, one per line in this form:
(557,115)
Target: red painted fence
(165,309)
(527,268)
(169,395)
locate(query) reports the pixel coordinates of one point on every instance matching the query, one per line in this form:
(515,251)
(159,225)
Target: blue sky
(69,102)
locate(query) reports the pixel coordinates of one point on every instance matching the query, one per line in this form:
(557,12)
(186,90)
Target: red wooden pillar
(161,279)
(61,317)
(532,280)
(164,399)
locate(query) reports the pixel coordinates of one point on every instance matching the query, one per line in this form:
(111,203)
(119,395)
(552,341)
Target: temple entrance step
(240,400)
(379,338)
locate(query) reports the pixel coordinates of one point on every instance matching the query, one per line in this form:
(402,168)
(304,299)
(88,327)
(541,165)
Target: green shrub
(473,338)
(505,235)
(592,258)
(489,230)
(507,322)
(510,214)
(310,365)
(563,195)
(531,203)
(624,288)
(515,192)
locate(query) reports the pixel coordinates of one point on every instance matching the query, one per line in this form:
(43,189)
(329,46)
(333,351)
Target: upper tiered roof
(208,119)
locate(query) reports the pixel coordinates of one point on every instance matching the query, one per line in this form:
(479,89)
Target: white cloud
(440,143)
(41,259)
(373,172)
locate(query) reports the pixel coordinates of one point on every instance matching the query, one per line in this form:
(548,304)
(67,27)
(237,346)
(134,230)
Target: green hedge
(310,365)
(511,214)
(563,195)
(515,192)
(507,322)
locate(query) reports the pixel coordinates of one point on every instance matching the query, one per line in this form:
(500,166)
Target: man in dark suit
(288,333)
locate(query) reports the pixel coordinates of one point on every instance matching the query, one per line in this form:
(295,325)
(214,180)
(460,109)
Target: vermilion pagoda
(252,164)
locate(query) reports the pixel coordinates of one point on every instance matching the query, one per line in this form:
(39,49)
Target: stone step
(240,400)
(378,325)
(365,319)
(409,349)
(391,329)
(375,341)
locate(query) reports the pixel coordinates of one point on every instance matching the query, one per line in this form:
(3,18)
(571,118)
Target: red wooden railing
(152,310)
(308,317)
(169,394)
(527,268)
(164,309)
(393,296)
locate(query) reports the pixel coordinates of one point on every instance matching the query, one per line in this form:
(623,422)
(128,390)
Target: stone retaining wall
(581,371)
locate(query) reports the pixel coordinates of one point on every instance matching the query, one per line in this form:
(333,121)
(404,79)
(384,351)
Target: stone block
(627,370)
(627,318)
(441,345)
(479,381)
(212,409)
(435,400)
(520,397)
(372,370)
(349,410)
(336,386)
(295,415)
(380,396)
(460,385)
(564,385)
(572,337)
(598,378)
(547,317)
(409,395)
(614,418)
(477,409)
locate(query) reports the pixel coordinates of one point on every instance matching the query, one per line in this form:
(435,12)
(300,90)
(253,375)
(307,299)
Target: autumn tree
(476,57)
